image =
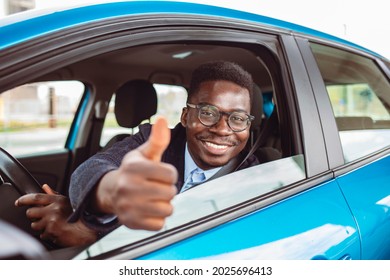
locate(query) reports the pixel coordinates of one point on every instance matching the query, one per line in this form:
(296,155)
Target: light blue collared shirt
(190,165)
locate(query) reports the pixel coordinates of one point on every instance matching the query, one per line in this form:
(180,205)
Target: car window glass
(213,196)
(360,96)
(170,101)
(37,117)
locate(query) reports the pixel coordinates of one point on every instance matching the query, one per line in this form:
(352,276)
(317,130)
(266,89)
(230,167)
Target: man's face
(214,146)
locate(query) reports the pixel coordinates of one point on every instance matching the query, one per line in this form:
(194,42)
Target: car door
(358,99)
(310,222)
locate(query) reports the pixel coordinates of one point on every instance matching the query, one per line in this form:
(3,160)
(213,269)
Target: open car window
(210,198)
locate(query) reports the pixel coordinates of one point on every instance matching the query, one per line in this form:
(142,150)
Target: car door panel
(315,224)
(364,182)
(367,191)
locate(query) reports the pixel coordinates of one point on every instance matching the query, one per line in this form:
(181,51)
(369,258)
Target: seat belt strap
(261,139)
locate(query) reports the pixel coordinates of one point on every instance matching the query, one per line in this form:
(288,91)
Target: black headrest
(257,107)
(135,102)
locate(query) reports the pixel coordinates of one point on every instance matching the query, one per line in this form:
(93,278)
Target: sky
(362,22)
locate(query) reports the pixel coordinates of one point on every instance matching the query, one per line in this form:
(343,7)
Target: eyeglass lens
(210,115)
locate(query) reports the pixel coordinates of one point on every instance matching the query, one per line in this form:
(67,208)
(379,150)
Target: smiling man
(133,182)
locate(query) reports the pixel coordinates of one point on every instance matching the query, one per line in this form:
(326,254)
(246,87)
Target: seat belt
(230,167)
(261,139)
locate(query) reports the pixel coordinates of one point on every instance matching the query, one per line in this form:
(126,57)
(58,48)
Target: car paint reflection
(323,238)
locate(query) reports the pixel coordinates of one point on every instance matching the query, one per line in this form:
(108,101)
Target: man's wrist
(101,195)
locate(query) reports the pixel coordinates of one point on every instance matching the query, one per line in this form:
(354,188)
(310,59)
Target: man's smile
(216,148)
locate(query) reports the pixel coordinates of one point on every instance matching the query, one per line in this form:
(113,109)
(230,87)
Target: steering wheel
(15,181)
(17,174)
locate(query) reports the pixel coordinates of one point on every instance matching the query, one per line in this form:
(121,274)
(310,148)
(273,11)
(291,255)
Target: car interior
(134,70)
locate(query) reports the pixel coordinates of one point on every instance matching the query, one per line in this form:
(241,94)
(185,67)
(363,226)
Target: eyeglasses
(209,115)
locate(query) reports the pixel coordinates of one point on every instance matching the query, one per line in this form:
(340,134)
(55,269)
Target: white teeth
(215,146)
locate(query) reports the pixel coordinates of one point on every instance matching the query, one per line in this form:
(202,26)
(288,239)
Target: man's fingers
(36,198)
(157,209)
(158,141)
(34,213)
(38,225)
(146,223)
(46,188)
(33,199)
(151,171)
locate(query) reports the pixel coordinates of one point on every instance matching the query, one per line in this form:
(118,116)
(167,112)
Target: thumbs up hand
(158,141)
(139,193)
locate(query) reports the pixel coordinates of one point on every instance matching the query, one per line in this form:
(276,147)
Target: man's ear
(184,115)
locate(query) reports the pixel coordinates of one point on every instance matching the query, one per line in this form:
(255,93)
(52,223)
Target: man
(134,181)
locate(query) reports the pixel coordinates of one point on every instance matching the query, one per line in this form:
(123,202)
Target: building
(8,7)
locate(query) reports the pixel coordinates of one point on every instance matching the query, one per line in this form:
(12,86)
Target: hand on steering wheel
(49,215)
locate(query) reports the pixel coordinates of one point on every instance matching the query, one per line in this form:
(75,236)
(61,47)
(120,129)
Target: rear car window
(360,96)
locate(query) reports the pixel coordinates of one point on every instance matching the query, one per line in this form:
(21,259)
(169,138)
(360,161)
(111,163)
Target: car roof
(32,24)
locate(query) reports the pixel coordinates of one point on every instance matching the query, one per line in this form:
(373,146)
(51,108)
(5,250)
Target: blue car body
(37,24)
(339,210)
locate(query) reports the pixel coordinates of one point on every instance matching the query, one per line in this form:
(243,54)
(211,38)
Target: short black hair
(221,70)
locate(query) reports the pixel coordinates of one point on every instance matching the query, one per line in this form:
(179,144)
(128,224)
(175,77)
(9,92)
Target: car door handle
(346,257)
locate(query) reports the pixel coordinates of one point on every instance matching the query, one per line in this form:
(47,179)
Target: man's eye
(238,118)
(208,113)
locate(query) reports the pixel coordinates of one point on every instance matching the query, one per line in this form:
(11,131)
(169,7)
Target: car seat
(354,123)
(135,102)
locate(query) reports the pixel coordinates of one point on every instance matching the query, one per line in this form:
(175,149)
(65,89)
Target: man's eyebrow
(232,110)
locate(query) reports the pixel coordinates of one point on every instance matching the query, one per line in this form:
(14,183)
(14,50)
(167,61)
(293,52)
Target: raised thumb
(158,141)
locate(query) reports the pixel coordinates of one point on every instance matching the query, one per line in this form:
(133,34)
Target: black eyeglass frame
(249,119)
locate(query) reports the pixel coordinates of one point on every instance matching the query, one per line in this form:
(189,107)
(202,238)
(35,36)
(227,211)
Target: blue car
(321,129)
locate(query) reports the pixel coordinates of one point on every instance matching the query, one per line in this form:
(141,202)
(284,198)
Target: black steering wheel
(17,174)
(15,181)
